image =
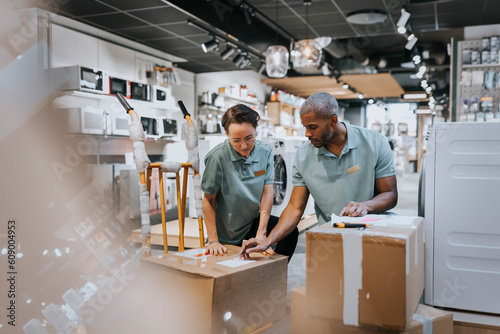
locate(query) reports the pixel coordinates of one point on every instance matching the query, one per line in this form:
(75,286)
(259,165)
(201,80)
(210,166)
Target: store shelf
(480,65)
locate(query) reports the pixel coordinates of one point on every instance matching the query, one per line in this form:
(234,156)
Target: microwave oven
(139,91)
(87,120)
(169,127)
(151,125)
(83,79)
(119,86)
(119,124)
(162,96)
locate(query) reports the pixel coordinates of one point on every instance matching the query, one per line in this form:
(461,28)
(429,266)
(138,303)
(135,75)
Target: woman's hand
(216,248)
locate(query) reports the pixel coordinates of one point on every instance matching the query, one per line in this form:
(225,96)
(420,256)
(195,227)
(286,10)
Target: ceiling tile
(133,4)
(145,33)
(161,15)
(81,8)
(114,21)
(181,28)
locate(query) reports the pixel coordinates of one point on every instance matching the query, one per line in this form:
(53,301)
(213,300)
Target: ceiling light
(345,86)
(401,30)
(366,16)
(239,59)
(361,96)
(246,62)
(261,68)
(426,54)
(277,57)
(370,101)
(411,43)
(405,16)
(408,64)
(248,12)
(325,69)
(212,44)
(414,96)
(428,90)
(307,52)
(323,41)
(416,59)
(419,75)
(276,61)
(411,37)
(228,52)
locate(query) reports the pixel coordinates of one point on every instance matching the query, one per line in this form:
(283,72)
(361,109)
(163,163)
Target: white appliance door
(467,223)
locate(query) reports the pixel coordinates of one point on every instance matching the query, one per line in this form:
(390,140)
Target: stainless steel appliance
(83,79)
(139,91)
(121,86)
(87,120)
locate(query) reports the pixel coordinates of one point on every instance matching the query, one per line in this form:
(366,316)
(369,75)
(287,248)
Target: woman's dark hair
(239,114)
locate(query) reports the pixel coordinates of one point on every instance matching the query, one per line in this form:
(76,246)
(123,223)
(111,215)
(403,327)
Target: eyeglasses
(248,140)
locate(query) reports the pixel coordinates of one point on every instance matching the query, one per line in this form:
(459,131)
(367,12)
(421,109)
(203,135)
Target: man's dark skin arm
(288,221)
(387,198)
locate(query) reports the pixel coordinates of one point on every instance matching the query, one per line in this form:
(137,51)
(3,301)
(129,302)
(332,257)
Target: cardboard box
(426,320)
(223,299)
(197,294)
(371,278)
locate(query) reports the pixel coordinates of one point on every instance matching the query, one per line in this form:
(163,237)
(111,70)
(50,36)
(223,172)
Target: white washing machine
(284,155)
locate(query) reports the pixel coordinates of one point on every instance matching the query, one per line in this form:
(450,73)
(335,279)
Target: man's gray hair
(323,105)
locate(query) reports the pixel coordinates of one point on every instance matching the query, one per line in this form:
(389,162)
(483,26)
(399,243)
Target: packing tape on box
(352,243)
(426,322)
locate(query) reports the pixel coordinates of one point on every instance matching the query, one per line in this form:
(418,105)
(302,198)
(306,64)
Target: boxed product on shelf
(426,320)
(475,59)
(371,278)
(485,57)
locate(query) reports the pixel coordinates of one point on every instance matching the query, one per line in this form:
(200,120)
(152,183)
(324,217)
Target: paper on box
(426,320)
(372,278)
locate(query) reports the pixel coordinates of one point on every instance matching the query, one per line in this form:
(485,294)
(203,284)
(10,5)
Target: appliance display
(162,96)
(87,120)
(119,86)
(151,126)
(460,187)
(169,127)
(83,79)
(139,91)
(119,124)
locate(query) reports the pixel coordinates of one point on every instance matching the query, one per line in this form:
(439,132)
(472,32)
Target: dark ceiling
(251,25)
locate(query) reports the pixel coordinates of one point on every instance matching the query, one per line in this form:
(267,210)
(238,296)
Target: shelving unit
(277,110)
(204,110)
(469,93)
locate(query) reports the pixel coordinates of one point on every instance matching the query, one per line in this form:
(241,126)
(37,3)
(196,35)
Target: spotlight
(246,62)
(370,101)
(401,30)
(417,59)
(212,44)
(228,52)
(345,86)
(411,42)
(361,96)
(428,90)
(248,12)
(405,16)
(325,69)
(239,59)
(411,37)
(262,67)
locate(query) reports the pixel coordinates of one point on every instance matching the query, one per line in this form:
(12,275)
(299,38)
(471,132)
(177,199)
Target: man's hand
(253,245)
(216,248)
(354,209)
(268,251)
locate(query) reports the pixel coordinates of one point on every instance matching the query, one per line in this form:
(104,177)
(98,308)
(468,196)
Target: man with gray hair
(347,169)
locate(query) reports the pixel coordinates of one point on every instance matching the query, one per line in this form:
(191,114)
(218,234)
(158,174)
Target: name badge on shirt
(353,169)
(260,172)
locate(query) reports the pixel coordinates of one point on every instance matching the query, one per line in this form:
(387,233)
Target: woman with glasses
(237,185)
